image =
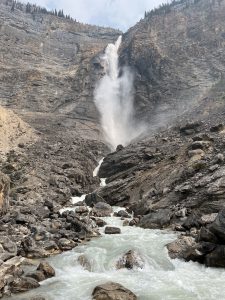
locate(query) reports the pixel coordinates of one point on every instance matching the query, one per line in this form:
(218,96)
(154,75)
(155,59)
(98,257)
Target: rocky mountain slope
(13,132)
(177,56)
(46,62)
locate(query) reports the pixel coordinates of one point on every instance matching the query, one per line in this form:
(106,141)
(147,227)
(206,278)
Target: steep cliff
(47,63)
(177,56)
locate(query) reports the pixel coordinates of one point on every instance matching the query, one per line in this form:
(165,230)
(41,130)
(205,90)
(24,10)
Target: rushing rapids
(160,278)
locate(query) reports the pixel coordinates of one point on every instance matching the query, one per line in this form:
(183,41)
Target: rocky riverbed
(174,180)
(178,179)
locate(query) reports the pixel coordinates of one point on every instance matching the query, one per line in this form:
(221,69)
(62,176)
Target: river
(160,279)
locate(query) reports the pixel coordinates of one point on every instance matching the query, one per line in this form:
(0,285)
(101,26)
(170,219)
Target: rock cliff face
(178,60)
(47,64)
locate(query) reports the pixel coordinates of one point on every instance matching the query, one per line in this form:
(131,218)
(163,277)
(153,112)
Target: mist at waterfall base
(114,98)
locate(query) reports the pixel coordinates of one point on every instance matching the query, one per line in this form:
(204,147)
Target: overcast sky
(120,14)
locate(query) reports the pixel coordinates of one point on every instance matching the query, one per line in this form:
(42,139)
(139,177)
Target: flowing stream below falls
(160,279)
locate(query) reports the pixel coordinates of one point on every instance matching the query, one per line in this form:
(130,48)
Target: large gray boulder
(158,219)
(102,209)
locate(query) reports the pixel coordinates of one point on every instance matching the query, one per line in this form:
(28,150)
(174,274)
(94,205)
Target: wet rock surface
(15,278)
(112,291)
(112,230)
(130,260)
(102,209)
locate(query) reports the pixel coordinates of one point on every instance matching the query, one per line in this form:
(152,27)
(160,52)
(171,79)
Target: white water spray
(114,100)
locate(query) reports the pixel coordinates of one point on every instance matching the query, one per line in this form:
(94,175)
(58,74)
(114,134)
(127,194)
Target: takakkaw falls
(112,155)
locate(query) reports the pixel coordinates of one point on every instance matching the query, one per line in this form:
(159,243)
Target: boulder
(100,222)
(92,199)
(122,214)
(25,219)
(23,284)
(190,128)
(8,249)
(119,148)
(217,128)
(30,249)
(112,230)
(37,275)
(200,145)
(192,221)
(158,219)
(66,244)
(206,235)
(102,209)
(4,193)
(9,269)
(216,258)
(82,210)
(112,291)
(84,262)
(126,222)
(130,260)
(134,222)
(218,227)
(181,247)
(46,269)
(208,219)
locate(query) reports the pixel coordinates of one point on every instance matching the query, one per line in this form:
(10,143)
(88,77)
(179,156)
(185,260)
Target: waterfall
(114,100)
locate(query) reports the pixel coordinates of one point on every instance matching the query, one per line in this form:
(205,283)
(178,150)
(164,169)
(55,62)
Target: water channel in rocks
(160,279)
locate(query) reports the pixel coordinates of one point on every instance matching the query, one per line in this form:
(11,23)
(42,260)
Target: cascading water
(114,100)
(160,279)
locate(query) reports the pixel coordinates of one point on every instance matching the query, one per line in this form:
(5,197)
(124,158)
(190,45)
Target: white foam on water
(160,279)
(75,200)
(103,182)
